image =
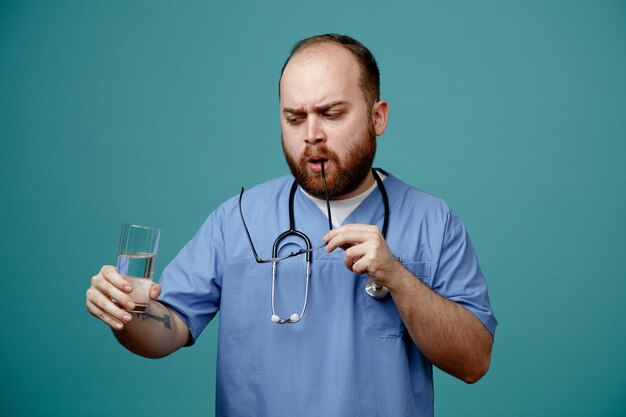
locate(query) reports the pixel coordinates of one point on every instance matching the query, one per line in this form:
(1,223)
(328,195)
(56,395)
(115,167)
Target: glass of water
(136,257)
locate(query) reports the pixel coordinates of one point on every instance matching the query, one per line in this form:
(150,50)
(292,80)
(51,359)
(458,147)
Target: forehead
(320,73)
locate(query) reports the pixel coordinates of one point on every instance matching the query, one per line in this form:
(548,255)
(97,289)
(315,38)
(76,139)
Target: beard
(344,177)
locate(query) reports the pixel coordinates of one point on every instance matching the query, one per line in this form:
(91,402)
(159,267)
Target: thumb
(155,290)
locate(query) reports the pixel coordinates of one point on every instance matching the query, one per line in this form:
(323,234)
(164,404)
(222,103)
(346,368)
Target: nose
(315,131)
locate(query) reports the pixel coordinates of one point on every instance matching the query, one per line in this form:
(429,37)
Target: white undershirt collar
(341,209)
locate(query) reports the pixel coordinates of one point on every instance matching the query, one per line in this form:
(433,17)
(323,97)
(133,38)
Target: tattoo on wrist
(166,319)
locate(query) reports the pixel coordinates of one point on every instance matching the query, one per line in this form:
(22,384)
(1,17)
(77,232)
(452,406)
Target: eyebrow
(318,109)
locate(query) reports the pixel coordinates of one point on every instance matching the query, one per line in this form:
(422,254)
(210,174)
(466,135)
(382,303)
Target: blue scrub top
(350,355)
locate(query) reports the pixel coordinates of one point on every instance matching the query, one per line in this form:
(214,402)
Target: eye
(294,120)
(333,115)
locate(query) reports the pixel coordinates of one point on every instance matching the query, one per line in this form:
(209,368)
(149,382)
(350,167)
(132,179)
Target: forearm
(448,334)
(155,333)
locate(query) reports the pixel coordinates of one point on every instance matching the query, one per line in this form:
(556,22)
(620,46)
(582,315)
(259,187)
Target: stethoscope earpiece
(294,318)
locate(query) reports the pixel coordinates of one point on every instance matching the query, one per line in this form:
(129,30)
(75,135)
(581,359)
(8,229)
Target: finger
(108,319)
(155,291)
(361,265)
(334,232)
(349,238)
(111,292)
(349,261)
(352,255)
(355,227)
(346,247)
(358,258)
(106,304)
(110,274)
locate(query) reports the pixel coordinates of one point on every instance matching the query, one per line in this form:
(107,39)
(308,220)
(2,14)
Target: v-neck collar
(368,208)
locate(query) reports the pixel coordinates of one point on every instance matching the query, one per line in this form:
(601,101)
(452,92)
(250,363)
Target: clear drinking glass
(136,257)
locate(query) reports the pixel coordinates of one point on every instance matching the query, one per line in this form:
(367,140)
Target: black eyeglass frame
(291,231)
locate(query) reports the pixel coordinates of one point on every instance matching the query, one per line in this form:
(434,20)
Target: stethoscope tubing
(371,288)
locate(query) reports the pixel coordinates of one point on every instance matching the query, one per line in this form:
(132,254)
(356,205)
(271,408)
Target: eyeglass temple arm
(256,256)
(330,225)
(330,220)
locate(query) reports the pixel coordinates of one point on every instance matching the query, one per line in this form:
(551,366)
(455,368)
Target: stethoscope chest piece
(373,290)
(376,291)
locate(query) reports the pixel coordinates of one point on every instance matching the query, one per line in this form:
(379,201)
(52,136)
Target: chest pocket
(381,315)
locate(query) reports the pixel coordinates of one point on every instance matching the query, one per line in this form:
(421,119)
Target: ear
(380,115)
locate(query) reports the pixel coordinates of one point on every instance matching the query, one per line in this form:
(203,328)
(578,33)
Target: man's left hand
(367,251)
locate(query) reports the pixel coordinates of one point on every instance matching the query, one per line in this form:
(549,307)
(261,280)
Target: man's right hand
(109,285)
(154,334)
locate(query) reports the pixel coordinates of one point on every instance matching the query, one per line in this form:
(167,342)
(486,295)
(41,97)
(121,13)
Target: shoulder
(411,200)
(264,194)
(401,193)
(271,188)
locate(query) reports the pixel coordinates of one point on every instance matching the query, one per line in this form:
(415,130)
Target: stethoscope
(371,288)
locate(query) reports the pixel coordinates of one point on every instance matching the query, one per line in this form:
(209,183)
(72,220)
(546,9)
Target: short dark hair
(370,76)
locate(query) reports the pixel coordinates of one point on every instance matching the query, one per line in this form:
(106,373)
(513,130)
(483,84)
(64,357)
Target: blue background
(154,112)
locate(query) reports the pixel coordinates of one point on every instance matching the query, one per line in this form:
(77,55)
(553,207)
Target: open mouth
(315,163)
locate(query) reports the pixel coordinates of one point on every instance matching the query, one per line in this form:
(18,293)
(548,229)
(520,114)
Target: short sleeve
(458,276)
(191,283)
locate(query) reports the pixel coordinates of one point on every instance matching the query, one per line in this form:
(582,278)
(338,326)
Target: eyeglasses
(291,232)
(295,317)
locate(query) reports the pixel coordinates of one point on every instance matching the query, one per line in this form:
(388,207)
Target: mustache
(319,150)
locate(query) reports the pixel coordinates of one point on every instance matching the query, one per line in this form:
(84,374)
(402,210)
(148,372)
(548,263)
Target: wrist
(395,277)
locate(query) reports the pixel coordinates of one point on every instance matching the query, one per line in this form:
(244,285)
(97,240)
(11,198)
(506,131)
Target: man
(350,354)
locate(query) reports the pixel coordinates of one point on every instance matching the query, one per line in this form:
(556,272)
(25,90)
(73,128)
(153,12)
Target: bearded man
(385,272)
